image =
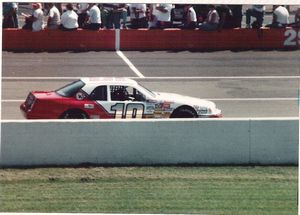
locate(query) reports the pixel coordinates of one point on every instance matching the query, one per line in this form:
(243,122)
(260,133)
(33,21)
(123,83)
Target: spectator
(152,19)
(237,15)
(163,15)
(82,9)
(54,17)
(226,17)
(297,18)
(94,18)
(211,22)
(257,11)
(69,19)
(107,15)
(10,19)
(280,17)
(190,19)
(138,16)
(34,22)
(124,15)
(119,12)
(201,11)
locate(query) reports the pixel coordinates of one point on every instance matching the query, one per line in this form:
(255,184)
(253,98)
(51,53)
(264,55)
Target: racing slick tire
(184,112)
(74,114)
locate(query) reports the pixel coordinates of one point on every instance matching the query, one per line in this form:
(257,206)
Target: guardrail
(144,39)
(150,142)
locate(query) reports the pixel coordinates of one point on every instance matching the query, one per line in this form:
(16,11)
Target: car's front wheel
(74,114)
(184,112)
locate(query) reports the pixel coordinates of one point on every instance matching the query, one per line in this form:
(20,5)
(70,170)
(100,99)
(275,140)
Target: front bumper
(215,114)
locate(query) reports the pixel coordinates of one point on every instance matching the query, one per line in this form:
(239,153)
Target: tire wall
(150,142)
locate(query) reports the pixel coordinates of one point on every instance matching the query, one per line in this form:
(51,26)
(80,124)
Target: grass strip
(201,190)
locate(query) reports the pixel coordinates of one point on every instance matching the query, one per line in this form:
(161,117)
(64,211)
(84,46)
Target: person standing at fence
(280,17)
(257,11)
(237,15)
(211,22)
(190,21)
(38,16)
(82,9)
(119,12)
(94,18)
(138,16)
(163,15)
(34,22)
(69,19)
(10,19)
(297,18)
(226,17)
(54,17)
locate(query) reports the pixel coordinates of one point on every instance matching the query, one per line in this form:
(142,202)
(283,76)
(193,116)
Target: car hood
(184,100)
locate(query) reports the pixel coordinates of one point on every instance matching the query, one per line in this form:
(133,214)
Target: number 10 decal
(129,111)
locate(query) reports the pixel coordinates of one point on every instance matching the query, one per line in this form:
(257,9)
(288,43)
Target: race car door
(125,102)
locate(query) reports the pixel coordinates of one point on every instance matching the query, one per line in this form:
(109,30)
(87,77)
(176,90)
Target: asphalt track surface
(242,84)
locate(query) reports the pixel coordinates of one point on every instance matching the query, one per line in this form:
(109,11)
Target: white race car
(103,98)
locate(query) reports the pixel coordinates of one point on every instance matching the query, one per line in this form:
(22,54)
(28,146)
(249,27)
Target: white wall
(146,142)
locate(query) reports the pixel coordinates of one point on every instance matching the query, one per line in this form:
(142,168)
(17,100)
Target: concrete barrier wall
(144,39)
(57,40)
(149,142)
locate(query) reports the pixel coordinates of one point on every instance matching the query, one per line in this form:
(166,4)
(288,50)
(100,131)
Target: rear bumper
(28,114)
(24,111)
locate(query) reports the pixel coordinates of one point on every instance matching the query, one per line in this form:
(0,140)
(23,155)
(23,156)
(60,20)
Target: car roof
(108,81)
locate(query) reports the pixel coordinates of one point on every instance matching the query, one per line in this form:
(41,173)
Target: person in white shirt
(54,17)
(212,21)
(37,17)
(162,12)
(69,19)
(94,18)
(280,17)
(190,21)
(257,11)
(34,22)
(138,17)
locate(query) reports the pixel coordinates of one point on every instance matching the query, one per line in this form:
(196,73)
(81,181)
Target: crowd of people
(92,16)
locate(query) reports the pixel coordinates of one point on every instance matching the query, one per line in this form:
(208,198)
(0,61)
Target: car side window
(125,93)
(138,96)
(118,93)
(99,93)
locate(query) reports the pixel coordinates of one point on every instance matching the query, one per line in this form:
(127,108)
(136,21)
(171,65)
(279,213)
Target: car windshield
(147,90)
(70,89)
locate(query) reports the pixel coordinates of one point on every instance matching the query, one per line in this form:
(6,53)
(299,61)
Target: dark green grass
(201,190)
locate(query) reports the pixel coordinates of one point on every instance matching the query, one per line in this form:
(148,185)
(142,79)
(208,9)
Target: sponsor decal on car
(89,106)
(80,96)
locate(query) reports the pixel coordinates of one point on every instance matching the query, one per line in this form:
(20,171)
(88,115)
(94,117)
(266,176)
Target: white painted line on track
(224,77)
(12,100)
(131,66)
(142,77)
(117,39)
(147,120)
(211,99)
(253,99)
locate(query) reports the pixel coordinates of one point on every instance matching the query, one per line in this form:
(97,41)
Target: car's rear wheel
(184,112)
(74,114)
